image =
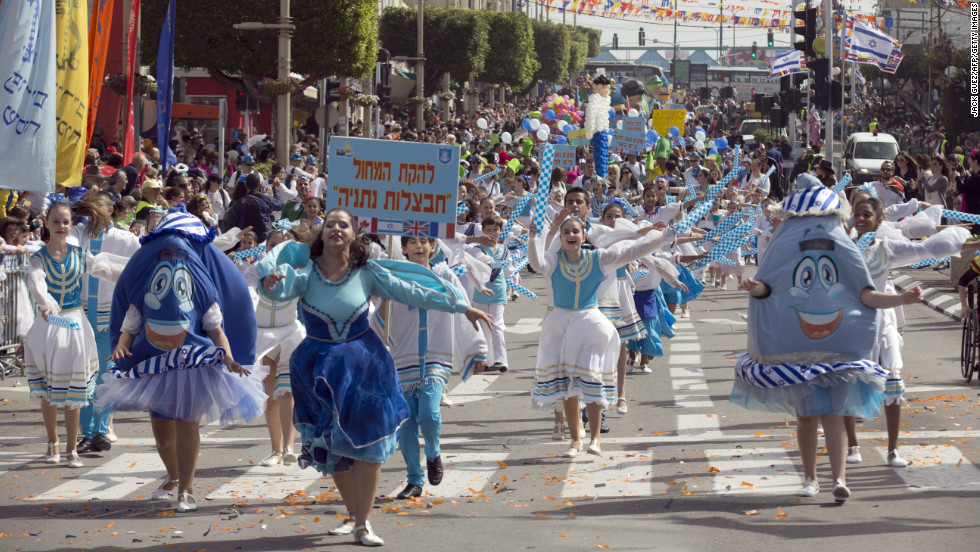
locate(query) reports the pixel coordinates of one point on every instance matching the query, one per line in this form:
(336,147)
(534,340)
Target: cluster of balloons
(558,115)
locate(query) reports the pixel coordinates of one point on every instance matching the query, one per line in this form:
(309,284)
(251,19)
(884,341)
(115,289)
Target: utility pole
(283,102)
(721,27)
(420,72)
(675,31)
(828,33)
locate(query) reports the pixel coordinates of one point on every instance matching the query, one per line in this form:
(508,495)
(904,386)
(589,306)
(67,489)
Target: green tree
(511,43)
(552,48)
(455,40)
(577,56)
(331,38)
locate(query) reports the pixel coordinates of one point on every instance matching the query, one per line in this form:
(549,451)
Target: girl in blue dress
(348,400)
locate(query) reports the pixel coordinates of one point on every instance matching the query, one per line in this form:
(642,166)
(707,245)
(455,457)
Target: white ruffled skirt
(61,364)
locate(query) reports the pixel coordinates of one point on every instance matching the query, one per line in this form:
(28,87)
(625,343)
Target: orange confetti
(131,466)
(302,529)
(781,514)
(960,462)
(713,470)
(110,525)
(747,484)
(752,512)
(438,502)
(543,516)
(562,535)
(602,546)
(502,464)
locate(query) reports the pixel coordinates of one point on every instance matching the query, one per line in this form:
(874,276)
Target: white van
(864,153)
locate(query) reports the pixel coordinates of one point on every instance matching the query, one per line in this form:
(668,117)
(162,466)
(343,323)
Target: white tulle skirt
(281,341)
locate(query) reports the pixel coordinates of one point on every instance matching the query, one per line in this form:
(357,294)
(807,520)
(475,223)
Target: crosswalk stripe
(11,460)
(684,336)
(687,372)
(685,347)
(686,360)
(119,477)
(754,471)
(622,474)
(477,388)
(267,483)
(466,474)
(704,426)
(694,401)
(689,385)
(937,468)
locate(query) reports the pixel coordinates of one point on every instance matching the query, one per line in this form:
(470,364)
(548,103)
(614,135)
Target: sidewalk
(937,292)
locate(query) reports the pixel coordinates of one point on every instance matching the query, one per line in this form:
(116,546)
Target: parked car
(747,130)
(864,153)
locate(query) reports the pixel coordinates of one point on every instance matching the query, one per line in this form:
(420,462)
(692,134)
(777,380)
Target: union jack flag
(416,228)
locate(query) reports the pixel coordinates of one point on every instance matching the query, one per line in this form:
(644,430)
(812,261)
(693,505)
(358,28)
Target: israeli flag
(28,97)
(867,43)
(786,63)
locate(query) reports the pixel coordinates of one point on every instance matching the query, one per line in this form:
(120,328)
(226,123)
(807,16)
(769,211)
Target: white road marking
(619,474)
(694,401)
(721,321)
(936,468)
(682,326)
(689,385)
(266,483)
(704,426)
(525,326)
(476,388)
(753,471)
(685,359)
(687,372)
(12,459)
(685,347)
(119,477)
(464,473)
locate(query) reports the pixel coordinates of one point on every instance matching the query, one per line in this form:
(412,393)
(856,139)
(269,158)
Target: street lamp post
(283,106)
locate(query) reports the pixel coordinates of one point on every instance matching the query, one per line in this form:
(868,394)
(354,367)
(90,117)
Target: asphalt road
(683,470)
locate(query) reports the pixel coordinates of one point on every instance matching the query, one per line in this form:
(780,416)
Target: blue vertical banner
(165,81)
(28,96)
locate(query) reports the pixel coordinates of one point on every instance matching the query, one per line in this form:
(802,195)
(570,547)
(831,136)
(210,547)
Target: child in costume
(881,256)
(812,325)
(423,345)
(97,302)
(577,341)
(62,363)
(348,402)
(173,356)
(495,302)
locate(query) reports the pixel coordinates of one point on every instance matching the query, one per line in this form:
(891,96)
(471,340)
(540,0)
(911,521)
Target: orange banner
(98,47)
(129,125)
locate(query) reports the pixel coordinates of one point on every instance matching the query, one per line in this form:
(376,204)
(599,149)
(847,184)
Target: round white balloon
(535,124)
(700,136)
(633,113)
(543,133)
(506,138)
(481,122)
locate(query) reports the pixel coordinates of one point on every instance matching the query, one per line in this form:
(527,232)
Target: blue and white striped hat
(181,224)
(812,201)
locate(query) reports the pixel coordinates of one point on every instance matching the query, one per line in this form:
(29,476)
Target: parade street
(684,470)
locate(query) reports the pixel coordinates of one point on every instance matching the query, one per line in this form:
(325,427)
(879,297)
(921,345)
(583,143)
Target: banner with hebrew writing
(400,188)
(71,64)
(28,128)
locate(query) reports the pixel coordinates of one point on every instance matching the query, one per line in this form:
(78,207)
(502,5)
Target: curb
(934,299)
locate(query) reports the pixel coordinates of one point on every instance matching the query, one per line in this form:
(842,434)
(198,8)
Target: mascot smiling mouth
(819,325)
(166,335)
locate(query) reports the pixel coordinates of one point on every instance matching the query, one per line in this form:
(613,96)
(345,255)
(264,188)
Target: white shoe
(896,461)
(810,488)
(368,538)
(53,456)
(854,455)
(164,494)
(111,435)
(629,368)
(558,432)
(685,314)
(73,460)
(445,400)
(273,459)
(621,408)
(841,492)
(186,502)
(594,448)
(346,527)
(573,449)
(645,369)
(724,285)
(289,457)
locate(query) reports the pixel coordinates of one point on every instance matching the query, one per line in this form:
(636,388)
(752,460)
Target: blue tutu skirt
(348,404)
(189,384)
(845,388)
(676,296)
(657,321)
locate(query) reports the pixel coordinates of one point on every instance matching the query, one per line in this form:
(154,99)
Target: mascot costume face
(816,274)
(172,280)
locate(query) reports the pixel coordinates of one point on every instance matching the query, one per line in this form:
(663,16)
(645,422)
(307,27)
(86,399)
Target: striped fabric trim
(815,197)
(468,369)
(181,224)
(410,380)
(72,395)
(770,376)
(182,358)
(635,330)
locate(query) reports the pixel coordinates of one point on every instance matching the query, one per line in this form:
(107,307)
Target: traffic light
(643,37)
(244,103)
(769,38)
(331,85)
(755,51)
(615,41)
(806,26)
(384,95)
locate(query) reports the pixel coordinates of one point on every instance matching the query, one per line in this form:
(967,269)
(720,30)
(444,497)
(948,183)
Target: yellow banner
(662,119)
(72,75)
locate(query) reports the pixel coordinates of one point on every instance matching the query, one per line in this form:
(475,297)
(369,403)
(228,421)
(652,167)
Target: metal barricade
(13,292)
